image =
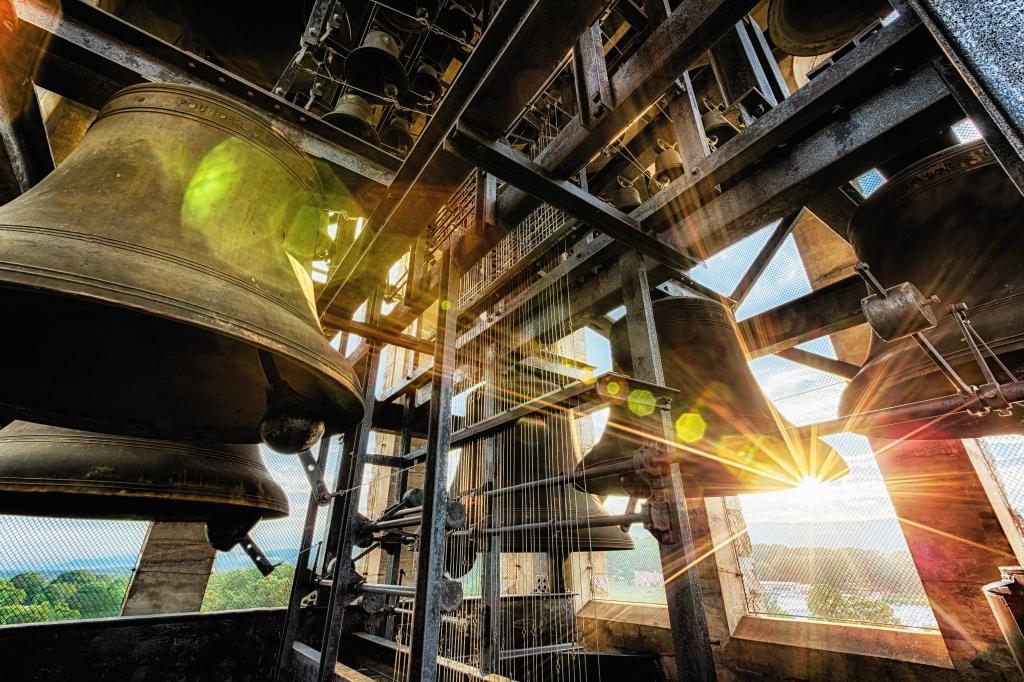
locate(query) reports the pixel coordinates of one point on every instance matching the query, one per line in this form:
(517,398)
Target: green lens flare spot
(641,402)
(446,304)
(690,427)
(613,388)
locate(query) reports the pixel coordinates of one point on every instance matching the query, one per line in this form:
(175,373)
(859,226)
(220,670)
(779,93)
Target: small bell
(668,164)
(354,115)
(397,134)
(408,16)
(375,68)
(458,19)
(625,196)
(807,27)
(50,471)
(717,128)
(424,87)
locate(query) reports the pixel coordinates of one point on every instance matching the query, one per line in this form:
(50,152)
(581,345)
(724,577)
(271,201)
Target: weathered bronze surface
(952,225)
(143,279)
(531,451)
(354,114)
(724,426)
(50,471)
(374,67)
(811,27)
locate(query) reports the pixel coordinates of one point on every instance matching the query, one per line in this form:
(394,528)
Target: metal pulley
(192,314)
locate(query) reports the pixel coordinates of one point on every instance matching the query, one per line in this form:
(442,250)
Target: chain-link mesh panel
(235,583)
(65,569)
(1004,456)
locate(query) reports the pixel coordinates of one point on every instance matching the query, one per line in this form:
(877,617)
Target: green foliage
(31,582)
(827,602)
(10,595)
(30,598)
(847,568)
(245,588)
(36,613)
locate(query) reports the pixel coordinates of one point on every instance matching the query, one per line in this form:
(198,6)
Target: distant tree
(99,599)
(36,613)
(10,595)
(78,576)
(30,581)
(56,592)
(826,602)
(246,589)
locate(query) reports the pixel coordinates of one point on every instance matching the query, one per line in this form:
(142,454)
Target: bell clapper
(288,426)
(254,552)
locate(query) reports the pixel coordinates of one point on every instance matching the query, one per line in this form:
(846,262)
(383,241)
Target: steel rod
(578,524)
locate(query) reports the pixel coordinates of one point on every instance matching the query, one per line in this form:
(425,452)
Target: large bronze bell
(374,67)
(157,282)
(50,471)
(668,165)
(811,27)
(724,426)
(530,451)
(354,115)
(952,224)
(717,128)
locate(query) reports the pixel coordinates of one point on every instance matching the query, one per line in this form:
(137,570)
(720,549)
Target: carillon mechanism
(50,471)
(727,437)
(499,275)
(194,314)
(948,225)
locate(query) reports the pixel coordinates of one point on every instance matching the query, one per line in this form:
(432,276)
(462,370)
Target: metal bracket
(250,547)
(657,519)
(321,493)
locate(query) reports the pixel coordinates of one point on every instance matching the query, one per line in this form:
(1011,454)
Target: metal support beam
(827,310)
(764,256)
(92,54)
(862,70)
(25,156)
(424,639)
(516,169)
(982,41)
(846,370)
(680,40)
(377,332)
(302,580)
(690,637)
(593,90)
(881,127)
(738,70)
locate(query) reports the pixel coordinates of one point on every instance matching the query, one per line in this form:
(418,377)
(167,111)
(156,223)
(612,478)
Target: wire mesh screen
(235,583)
(1004,456)
(65,569)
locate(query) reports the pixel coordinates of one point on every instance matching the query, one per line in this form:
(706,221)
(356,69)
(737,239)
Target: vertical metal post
(393,565)
(345,506)
(301,580)
(738,70)
(590,70)
(686,119)
(982,41)
(430,568)
(490,550)
(682,587)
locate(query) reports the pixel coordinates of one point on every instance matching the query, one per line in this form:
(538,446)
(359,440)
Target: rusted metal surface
(187,304)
